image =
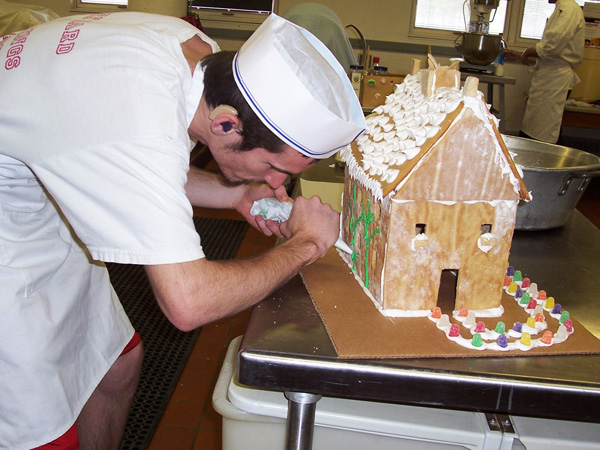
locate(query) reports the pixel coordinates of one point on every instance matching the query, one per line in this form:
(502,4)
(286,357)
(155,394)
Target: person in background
(324,23)
(99,116)
(558,52)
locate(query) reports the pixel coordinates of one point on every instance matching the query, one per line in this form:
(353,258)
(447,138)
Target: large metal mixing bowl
(555,175)
(480,49)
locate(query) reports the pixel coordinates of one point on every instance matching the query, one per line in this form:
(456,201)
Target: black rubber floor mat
(166,349)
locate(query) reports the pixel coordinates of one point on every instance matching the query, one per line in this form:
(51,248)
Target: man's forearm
(199,292)
(208,190)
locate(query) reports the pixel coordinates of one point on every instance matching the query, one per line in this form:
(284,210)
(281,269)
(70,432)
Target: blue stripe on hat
(265,118)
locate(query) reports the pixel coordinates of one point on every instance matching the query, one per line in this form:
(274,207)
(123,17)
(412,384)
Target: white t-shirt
(95,112)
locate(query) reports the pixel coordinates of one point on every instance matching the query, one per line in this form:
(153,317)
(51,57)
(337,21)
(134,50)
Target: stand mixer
(482,13)
(478,48)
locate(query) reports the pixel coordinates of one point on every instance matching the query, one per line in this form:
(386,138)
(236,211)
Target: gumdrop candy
(533,290)
(538,310)
(470,320)
(561,334)
(532,304)
(519,293)
(463,312)
(564,316)
(568,325)
(526,283)
(531,322)
(507,281)
(502,341)
(546,337)
(436,313)
(510,271)
(549,303)
(480,327)
(477,341)
(517,276)
(556,309)
(500,328)
(541,295)
(444,321)
(518,327)
(525,299)
(454,331)
(539,317)
(512,287)
(526,339)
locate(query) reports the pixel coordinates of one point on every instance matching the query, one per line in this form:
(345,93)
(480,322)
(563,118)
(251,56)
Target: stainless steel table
(286,348)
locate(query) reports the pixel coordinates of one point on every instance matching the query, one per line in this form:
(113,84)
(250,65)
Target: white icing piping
(357,173)
(493,203)
(486,242)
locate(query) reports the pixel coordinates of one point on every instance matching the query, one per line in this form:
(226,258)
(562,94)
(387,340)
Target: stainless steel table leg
(300,420)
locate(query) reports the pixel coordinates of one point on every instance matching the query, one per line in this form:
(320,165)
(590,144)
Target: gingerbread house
(430,187)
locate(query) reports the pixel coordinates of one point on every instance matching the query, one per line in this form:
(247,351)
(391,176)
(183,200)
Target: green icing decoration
(366,217)
(353,223)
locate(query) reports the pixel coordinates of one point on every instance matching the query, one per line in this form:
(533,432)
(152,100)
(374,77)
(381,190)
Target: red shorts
(70,440)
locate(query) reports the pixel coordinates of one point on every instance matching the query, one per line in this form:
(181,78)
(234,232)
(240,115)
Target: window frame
(80,7)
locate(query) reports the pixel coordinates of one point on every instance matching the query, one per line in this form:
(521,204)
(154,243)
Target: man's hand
(529,56)
(512,55)
(255,192)
(313,222)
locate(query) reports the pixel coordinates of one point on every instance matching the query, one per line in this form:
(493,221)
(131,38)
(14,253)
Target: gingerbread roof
(413,119)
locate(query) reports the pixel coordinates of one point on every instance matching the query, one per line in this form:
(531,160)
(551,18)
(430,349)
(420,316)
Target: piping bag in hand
(273,209)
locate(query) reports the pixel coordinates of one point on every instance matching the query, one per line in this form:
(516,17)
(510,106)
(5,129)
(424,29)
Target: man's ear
(225,124)
(224,120)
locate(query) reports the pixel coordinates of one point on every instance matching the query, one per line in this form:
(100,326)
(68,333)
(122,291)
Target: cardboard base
(359,331)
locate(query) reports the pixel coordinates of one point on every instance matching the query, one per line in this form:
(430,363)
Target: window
(105,2)
(521,21)
(98,5)
(252,6)
(535,15)
(233,14)
(454,15)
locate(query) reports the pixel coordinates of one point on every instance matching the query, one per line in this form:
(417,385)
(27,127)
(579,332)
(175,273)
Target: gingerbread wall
(413,268)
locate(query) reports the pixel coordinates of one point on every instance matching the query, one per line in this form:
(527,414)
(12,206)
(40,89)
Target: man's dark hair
(220,89)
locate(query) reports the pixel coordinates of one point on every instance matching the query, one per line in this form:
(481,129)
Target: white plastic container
(254,419)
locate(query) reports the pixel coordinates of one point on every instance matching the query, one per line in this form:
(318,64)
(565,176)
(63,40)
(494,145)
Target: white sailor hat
(298,89)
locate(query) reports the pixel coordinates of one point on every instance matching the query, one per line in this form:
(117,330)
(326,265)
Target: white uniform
(95,111)
(559,50)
